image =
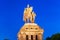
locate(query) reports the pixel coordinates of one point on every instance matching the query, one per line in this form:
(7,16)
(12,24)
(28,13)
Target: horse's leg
(31,19)
(25,19)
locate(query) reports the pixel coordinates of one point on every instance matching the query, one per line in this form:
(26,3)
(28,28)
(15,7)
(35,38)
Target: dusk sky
(11,16)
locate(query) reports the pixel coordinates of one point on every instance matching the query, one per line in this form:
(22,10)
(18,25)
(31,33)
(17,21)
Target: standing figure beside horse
(29,16)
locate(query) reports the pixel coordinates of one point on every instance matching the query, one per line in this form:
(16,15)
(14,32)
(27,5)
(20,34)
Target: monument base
(30,31)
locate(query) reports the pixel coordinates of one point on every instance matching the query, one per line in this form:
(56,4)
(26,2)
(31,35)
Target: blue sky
(11,16)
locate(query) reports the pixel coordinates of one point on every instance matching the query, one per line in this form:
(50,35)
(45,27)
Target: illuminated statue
(29,15)
(30,30)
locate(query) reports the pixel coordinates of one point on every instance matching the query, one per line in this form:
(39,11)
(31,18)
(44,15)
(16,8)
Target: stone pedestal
(30,31)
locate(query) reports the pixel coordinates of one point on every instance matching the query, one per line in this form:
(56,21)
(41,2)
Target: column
(29,37)
(24,37)
(39,37)
(34,37)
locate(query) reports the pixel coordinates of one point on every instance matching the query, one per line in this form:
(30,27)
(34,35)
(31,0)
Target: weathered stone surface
(30,29)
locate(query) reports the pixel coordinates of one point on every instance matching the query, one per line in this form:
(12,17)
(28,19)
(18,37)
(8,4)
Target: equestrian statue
(29,15)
